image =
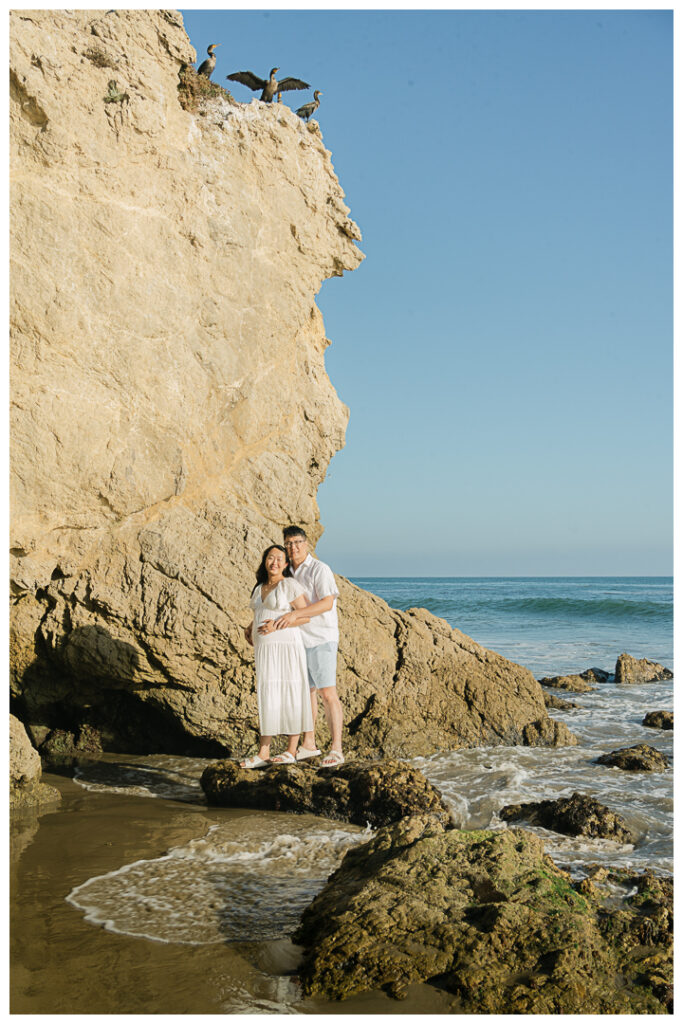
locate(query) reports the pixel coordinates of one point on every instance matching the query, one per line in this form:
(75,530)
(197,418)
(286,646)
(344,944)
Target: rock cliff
(171,409)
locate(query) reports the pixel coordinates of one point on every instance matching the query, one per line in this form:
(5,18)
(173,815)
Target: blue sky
(506,347)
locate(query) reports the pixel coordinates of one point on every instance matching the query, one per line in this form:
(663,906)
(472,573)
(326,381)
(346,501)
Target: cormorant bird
(207,66)
(310,108)
(269,87)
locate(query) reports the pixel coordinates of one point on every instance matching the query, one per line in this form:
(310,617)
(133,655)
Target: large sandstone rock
(26,789)
(172,411)
(489,917)
(629,670)
(361,792)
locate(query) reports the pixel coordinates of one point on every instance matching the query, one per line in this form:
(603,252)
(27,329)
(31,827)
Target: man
(321,639)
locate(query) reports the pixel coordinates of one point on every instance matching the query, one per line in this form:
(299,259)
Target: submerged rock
(370,792)
(577,815)
(575,684)
(26,789)
(551,701)
(659,719)
(578,683)
(632,670)
(489,917)
(639,758)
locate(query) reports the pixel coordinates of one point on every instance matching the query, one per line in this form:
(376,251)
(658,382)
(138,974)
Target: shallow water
(125,904)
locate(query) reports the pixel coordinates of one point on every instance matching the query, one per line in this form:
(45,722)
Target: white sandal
(284,758)
(253,762)
(303,753)
(332,760)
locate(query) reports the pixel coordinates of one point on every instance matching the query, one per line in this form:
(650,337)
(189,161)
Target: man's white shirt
(318,581)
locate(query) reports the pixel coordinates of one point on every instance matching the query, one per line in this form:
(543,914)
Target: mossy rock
(360,792)
(639,758)
(193,89)
(486,915)
(659,720)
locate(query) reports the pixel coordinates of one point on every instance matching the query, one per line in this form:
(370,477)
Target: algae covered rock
(639,758)
(577,815)
(489,917)
(659,719)
(629,670)
(360,792)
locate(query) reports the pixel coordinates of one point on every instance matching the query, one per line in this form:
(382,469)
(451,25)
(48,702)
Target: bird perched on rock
(309,109)
(207,66)
(269,87)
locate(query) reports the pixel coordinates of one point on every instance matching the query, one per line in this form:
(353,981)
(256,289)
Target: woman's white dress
(284,704)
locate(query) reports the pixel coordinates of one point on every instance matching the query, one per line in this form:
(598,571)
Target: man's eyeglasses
(294,543)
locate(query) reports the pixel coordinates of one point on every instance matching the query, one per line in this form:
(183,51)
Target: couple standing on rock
(295,635)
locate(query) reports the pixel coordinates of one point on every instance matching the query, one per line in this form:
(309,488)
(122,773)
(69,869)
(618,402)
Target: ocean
(160,904)
(553,625)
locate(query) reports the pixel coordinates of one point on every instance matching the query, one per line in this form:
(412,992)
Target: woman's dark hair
(262,572)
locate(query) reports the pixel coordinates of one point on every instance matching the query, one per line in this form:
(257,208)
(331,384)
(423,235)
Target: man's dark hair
(293,531)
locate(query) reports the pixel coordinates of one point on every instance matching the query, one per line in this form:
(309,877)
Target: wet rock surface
(581,682)
(659,719)
(488,916)
(575,684)
(577,815)
(546,732)
(369,792)
(26,788)
(629,670)
(557,703)
(639,758)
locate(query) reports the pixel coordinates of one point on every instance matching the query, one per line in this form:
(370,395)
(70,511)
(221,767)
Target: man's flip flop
(333,759)
(285,758)
(303,753)
(253,762)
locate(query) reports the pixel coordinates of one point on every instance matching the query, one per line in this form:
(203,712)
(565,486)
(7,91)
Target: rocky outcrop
(557,703)
(26,789)
(580,683)
(659,719)
(171,409)
(546,732)
(576,815)
(372,792)
(489,917)
(630,670)
(639,758)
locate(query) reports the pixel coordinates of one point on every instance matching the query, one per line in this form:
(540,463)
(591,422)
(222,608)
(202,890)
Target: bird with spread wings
(269,86)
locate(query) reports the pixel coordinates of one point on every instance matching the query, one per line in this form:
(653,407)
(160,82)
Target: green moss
(193,89)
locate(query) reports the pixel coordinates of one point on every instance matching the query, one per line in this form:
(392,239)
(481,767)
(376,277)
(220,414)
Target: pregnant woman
(284,704)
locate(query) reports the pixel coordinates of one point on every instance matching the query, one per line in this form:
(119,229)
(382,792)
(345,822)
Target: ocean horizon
(553,625)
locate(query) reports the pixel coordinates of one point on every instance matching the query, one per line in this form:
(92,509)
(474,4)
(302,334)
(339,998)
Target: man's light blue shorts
(321,662)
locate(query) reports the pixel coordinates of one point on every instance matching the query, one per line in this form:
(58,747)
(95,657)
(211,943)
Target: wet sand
(61,963)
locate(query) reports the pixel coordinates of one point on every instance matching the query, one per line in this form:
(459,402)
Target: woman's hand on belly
(267,626)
